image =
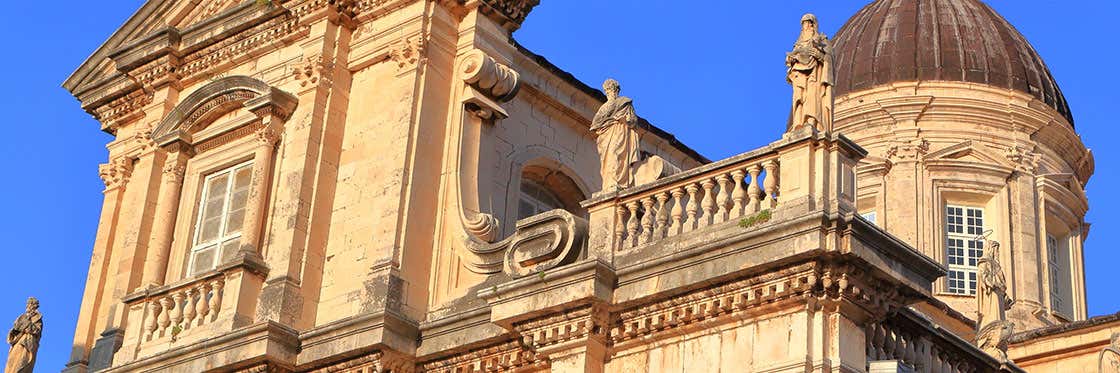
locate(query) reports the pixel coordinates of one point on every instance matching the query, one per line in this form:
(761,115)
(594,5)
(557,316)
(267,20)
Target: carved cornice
(122,109)
(539,334)
(509,13)
(509,356)
(378,361)
(116,173)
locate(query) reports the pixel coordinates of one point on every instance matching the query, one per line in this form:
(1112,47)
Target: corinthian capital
(268,135)
(115,174)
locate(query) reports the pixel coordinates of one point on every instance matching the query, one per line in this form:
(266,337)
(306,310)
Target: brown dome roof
(949,40)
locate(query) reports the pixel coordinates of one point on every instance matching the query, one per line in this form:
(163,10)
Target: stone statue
(993,329)
(24,338)
(1113,349)
(810,74)
(615,125)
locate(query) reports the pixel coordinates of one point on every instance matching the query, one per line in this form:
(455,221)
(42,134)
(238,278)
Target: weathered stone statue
(617,138)
(24,338)
(1113,349)
(810,74)
(993,329)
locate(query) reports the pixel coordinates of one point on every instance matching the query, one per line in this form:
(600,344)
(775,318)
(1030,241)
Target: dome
(944,40)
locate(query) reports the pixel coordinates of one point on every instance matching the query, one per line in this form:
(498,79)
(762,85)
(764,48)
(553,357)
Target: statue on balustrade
(810,74)
(615,125)
(24,338)
(993,329)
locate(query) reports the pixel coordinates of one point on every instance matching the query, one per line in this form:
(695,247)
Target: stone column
(251,240)
(167,206)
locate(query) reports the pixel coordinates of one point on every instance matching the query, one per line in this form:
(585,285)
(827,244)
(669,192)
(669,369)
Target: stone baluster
(177,311)
(620,227)
(709,201)
(216,297)
(771,184)
(151,323)
(632,224)
(723,199)
(677,212)
(647,220)
(189,311)
(202,307)
(738,195)
(662,224)
(693,207)
(165,314)
(753,191)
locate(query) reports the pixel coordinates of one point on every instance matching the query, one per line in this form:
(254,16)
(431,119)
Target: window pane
(203,260)
(210,222)
(229,249)
(239,195)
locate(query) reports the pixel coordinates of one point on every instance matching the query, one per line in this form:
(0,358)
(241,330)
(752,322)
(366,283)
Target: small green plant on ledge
(756,219)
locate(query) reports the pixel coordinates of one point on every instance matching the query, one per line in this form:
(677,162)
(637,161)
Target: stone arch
(218,98)
(542,165)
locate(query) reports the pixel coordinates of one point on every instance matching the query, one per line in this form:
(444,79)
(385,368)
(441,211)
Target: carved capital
(116,173)
(267,135)
(174,171)
(408,53)
(509,13)
(311,70)
(909,150)
(1024,159)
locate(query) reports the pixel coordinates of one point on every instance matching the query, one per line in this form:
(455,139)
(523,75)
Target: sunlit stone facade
(397,186)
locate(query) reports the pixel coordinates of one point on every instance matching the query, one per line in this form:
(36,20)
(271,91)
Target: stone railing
(182,308)
(915,340)
(730,191)
(808,169)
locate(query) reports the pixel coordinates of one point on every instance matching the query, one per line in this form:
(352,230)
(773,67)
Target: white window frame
(220,239)
(1055,273)
(962,278)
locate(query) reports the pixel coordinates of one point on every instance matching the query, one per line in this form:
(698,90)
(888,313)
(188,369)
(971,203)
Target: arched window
(543,189)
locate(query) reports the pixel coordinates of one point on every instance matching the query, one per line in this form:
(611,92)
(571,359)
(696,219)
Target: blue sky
(711,73)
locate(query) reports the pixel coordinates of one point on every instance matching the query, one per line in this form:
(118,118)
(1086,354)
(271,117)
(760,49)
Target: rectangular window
(1058,268)
(1055,273)
(962,227)
(217,232)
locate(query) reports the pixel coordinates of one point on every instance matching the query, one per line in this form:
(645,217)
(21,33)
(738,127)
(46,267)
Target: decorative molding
(268,135)
(508,356)
(116,173)
(588,321)
(384,361)
(509,13)
(1024,159)
(545,241)
(123,109)
(174,171)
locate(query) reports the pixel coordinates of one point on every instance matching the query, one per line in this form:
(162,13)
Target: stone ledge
(353,336)
(551,290)
(260,342)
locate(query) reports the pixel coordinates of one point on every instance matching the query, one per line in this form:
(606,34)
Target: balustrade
(907,337)
(182,308)
(710,198)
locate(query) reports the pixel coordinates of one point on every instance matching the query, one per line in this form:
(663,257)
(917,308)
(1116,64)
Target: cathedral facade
(398,186)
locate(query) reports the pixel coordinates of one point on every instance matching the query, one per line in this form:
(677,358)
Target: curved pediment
(218,98)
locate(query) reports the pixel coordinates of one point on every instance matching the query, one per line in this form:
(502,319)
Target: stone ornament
(1114,348)
(810,74)
(24,339)
(617,138)
(993,329)
(545,241)
(116,173)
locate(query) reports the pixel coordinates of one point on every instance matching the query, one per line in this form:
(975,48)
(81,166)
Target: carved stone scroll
(545,241)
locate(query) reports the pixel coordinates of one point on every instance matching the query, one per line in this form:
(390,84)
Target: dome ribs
(940,40)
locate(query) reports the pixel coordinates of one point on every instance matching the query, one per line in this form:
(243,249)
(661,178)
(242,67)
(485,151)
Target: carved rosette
(543,242)
(116,173)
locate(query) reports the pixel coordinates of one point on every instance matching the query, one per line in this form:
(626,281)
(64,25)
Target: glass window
(536,199)
(869,216)
(221,214)
(962,227)
(1057,263)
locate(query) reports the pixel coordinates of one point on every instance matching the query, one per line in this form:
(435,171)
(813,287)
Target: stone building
(398,186)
